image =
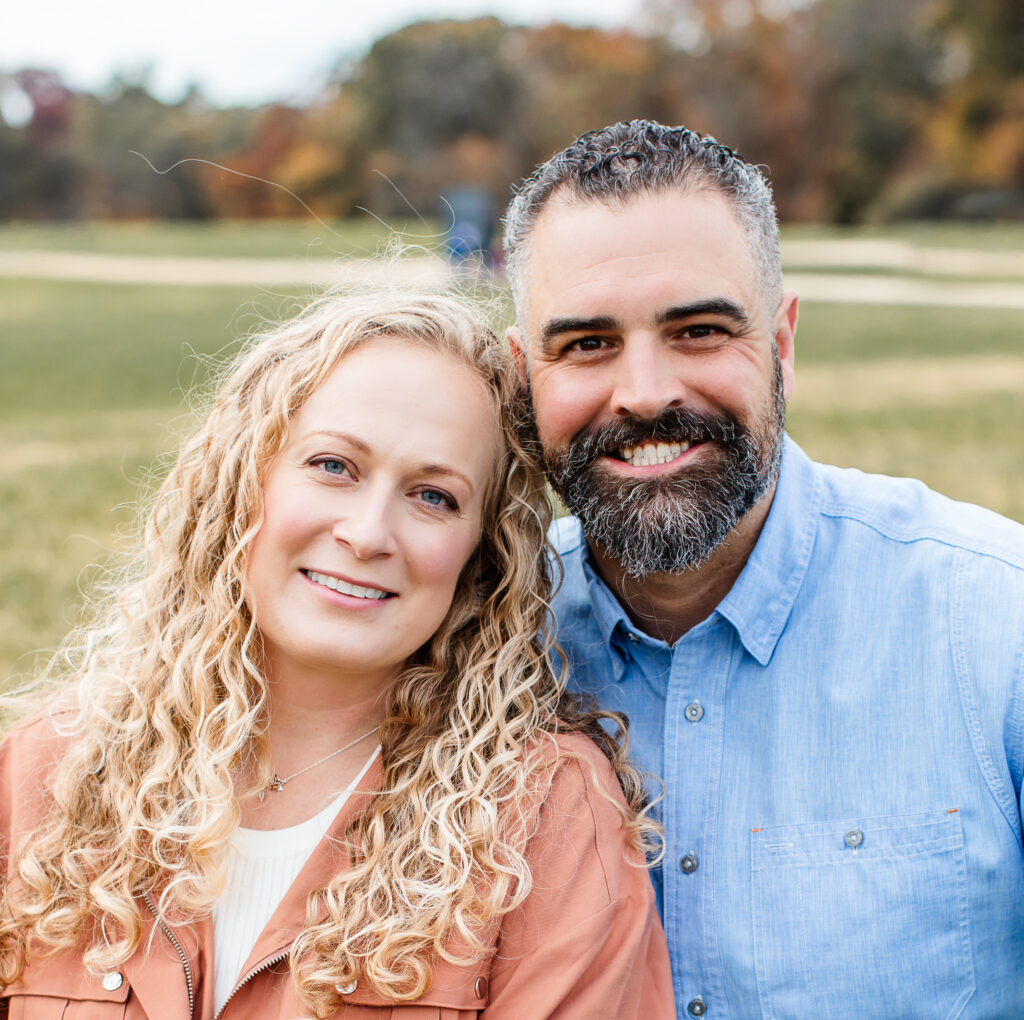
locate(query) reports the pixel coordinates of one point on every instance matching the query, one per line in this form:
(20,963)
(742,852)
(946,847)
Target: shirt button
(854,838)
(480,987)
(694,713)
(697,1007)
(112,981)
(348,988)
(689,864)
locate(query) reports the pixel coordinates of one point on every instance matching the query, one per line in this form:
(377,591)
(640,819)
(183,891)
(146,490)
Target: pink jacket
(585,944)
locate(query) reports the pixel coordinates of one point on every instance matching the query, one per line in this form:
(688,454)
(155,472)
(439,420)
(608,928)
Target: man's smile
(651,453)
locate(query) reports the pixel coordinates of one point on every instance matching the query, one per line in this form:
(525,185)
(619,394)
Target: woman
(347,554)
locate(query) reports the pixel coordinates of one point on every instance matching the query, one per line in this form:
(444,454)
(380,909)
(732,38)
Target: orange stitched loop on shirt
(952,811)
(757,830)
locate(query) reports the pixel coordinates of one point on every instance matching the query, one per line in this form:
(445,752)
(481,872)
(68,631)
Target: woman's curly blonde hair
(170,704)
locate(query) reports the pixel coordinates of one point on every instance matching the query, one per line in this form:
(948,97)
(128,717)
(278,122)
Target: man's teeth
(647,454)
(336,584)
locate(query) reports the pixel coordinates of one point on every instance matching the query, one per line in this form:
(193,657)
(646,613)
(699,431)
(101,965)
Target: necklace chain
(277,783)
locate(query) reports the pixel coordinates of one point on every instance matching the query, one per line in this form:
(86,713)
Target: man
(826,668)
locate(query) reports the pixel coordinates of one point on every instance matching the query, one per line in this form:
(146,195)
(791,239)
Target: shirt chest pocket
(867,915)
(71,995)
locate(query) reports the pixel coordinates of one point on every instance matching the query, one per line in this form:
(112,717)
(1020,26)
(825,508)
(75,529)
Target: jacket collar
(452,987)
(328,859)
(158,975)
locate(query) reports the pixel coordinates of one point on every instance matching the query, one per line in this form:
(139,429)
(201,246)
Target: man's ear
(785,338)
(517,347)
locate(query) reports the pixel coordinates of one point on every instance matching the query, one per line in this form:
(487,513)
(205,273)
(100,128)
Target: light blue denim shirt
(842,745)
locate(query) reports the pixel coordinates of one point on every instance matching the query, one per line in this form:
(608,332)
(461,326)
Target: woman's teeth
(336,584)
(647,454)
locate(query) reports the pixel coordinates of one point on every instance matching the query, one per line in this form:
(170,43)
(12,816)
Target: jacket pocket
(52,1007)
(59,988)
(862,917)
(415,1012)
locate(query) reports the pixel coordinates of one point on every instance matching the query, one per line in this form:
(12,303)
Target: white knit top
(264,863)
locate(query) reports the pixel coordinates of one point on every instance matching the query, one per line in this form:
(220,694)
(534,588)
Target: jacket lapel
(328,859)
(158,976)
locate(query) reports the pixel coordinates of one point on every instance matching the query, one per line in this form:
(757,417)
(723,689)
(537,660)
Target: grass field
(226,239)
(95,375)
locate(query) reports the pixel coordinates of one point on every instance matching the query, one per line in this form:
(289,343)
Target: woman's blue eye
(435,498)
(333,467)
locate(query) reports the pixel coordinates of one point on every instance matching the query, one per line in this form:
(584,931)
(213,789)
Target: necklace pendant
(276,784)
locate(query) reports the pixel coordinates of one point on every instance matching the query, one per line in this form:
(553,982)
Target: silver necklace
(277,782)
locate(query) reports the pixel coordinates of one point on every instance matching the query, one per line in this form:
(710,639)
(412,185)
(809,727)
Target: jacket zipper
(269,962)
(181,952)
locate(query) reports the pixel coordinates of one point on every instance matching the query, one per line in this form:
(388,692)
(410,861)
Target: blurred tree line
(861,109)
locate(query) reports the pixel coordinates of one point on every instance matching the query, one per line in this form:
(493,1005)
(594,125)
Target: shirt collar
(608,613)
(759,603)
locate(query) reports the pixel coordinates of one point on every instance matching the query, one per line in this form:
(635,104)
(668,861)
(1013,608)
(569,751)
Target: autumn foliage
(861,109)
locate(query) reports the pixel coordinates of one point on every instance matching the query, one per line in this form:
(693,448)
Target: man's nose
(648,382)
(367,525)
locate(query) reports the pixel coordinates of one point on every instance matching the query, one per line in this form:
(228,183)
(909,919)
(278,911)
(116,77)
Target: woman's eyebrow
(361,445)
(447,469)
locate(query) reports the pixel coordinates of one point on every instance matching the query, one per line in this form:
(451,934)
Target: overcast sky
(239,51)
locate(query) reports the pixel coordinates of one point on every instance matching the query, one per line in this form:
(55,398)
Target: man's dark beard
(670,524)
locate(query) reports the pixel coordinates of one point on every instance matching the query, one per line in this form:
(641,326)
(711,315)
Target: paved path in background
(902,256)
(434,272)
(896,290)
(219,272)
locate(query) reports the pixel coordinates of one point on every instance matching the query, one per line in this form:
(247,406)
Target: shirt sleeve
(587,941)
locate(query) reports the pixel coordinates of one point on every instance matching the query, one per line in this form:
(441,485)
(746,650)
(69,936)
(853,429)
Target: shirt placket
(694,728)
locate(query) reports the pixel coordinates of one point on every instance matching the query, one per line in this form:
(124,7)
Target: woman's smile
(342,586)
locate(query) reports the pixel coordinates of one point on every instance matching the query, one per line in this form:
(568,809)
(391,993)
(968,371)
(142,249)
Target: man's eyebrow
(713,306)
(554,328)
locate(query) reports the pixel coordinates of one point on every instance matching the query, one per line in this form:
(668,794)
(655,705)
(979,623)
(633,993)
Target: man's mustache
(676,425)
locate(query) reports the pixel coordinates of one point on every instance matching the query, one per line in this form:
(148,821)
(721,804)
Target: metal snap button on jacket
(689,864)
(480,987)
(694,712)
(854,838)
(698,1007)
(112,981)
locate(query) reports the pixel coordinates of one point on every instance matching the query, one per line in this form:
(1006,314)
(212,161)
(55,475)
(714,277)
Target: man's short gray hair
(640,157)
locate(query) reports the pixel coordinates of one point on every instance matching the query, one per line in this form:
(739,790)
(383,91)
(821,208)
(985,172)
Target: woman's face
(371,510)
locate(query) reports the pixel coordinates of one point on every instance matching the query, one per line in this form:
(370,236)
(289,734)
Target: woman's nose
(366,527)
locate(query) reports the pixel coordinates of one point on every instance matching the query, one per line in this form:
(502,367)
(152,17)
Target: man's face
(658,377)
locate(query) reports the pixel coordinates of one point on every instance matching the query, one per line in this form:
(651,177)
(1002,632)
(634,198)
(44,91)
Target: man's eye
(588,343)
(701,332)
